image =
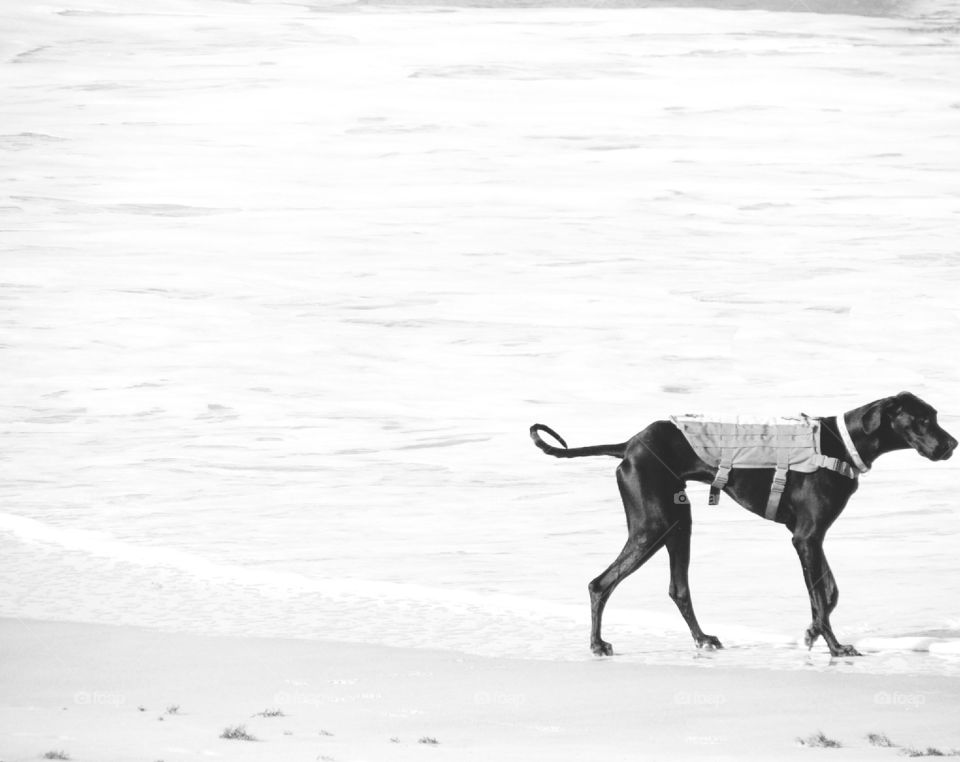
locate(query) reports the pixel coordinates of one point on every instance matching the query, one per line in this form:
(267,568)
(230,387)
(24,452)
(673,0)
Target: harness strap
(835,464)
(723,473)
(779,482)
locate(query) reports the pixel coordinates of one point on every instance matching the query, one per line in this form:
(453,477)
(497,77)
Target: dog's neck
(870,433)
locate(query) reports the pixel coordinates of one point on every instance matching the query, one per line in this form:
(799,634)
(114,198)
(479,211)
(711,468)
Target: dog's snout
(945,450)
(951,446)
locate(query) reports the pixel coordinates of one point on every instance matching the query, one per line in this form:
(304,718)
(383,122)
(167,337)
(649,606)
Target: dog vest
(783,444)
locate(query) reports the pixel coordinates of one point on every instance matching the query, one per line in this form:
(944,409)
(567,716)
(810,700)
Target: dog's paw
(602,648)
(710,642)
(810,637)
(842,650)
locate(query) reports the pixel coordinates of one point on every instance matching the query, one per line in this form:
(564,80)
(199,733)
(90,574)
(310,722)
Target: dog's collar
(851,447)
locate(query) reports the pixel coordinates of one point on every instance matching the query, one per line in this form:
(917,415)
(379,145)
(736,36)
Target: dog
(657,463)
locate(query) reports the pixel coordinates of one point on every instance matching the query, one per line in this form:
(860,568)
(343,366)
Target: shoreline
(850,7)
(119,692)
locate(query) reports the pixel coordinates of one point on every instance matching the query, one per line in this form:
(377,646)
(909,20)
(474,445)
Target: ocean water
(282,287)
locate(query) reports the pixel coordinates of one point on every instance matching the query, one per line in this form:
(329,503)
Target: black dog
(658,461)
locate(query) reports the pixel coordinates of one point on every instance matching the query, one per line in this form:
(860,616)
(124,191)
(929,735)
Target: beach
(120,693)
(283,287)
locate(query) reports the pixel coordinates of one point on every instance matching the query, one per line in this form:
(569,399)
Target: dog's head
(914,422)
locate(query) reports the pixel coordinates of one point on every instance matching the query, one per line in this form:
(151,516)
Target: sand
(105,693)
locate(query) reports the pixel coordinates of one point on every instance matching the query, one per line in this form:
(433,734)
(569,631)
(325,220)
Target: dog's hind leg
(648,529)
(632,557)
(678,546)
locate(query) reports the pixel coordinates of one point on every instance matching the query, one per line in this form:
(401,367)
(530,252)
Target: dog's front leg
(823,593)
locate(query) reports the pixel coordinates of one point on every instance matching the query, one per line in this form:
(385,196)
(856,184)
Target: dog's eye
(923,421)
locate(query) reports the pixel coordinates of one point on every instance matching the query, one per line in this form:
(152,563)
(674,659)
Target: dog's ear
(883,410)
(880,412)
(875,415)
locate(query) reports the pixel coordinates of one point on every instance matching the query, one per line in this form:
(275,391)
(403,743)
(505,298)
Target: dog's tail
(616,450)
